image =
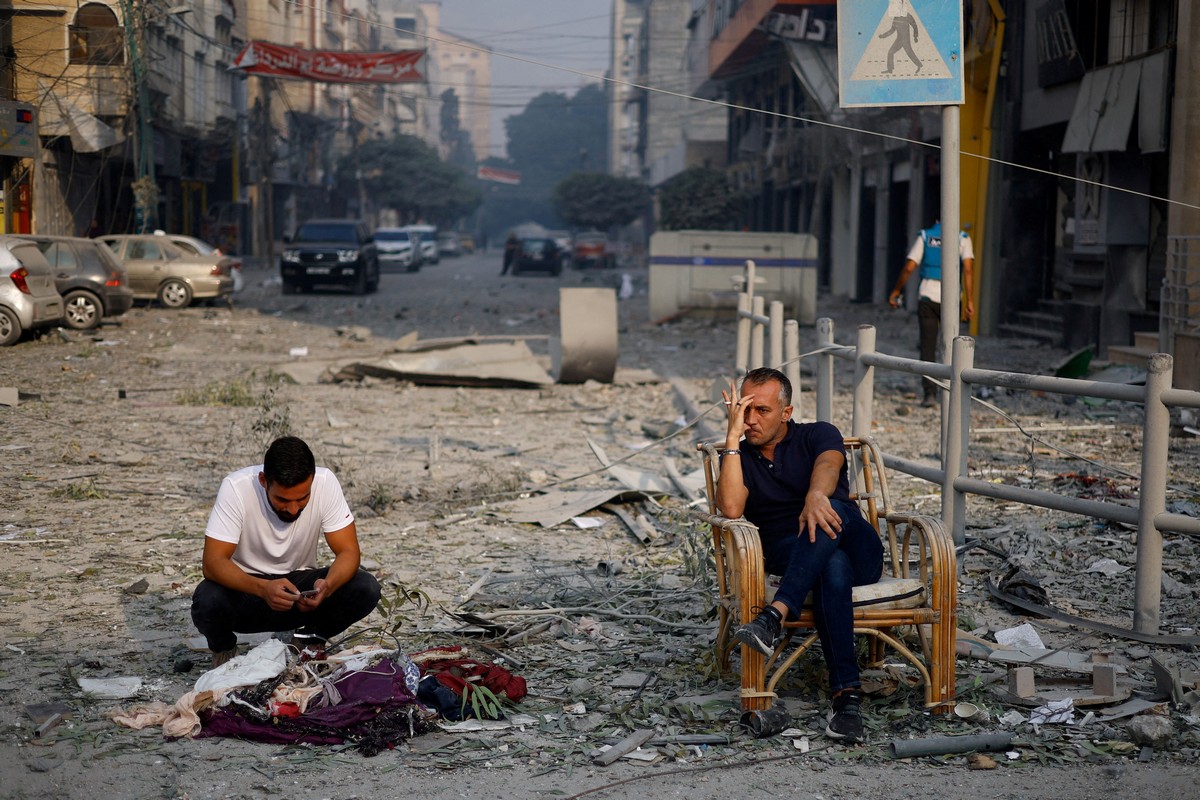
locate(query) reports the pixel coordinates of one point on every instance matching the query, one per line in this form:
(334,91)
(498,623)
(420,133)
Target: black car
(89,277)
(537,254)
(331,251)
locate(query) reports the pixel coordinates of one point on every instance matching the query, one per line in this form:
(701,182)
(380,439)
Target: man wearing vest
(927,253)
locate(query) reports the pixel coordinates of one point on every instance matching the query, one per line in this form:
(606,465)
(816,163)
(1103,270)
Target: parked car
(89,277)
(159,270)
(540,255)
(448,244)
(429,246)
(331,251)
(28,298)
(591,250)
(399,248)
(190,244)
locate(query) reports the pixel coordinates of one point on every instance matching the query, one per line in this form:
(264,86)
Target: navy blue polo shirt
(778,488)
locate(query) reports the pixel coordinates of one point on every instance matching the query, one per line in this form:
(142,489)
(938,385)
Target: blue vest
(931,261)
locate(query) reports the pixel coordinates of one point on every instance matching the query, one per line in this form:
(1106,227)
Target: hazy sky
(565,34)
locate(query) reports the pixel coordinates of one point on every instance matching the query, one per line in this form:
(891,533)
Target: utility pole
(145,188)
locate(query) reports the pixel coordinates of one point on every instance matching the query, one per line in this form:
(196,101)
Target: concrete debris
(1151,730)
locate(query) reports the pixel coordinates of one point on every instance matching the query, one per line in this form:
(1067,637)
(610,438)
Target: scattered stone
(1151,730)
(981,761)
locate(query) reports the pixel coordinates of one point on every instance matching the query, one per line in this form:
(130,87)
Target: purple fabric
(367,696)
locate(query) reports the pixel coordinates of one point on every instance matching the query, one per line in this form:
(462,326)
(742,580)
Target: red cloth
(458,673)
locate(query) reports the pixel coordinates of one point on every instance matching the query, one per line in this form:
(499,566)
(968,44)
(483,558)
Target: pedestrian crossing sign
(900,52)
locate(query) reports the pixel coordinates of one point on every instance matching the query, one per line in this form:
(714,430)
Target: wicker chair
(917,589)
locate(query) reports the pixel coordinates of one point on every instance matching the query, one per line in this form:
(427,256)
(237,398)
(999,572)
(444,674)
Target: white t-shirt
(931,288)
(266,545)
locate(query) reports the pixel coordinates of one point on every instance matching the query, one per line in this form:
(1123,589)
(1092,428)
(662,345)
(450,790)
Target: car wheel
(82,310)
(175,293)
(360,281)
(413,267)
(10,327)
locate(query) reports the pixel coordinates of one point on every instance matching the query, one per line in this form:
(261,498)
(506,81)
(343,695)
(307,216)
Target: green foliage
(393,607)
(406,174)
(236,393)
(697,199)
(596,200)
(80,491)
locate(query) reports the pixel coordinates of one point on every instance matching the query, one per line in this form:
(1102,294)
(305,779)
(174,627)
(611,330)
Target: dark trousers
(830,569)
(220,613)
(929,322)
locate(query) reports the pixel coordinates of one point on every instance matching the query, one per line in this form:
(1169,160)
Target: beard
(285,516)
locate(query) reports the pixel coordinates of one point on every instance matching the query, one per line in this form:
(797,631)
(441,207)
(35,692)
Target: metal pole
(951,227)
(791,360)
(864,376)
(743,334)
(756,333)
(775,333)
(958,421)
(1147,585)
(825,371)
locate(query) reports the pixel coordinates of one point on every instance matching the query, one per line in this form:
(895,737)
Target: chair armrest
(936,555)
(738,557)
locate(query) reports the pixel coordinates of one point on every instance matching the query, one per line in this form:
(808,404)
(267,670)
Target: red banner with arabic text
(331,66)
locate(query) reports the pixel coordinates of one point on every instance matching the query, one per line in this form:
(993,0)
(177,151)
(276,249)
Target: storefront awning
(816,68)
(1103,112)
(58,116)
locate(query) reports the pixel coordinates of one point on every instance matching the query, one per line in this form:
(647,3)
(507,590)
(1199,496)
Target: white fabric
(268,660)
(266,545)
(887,592)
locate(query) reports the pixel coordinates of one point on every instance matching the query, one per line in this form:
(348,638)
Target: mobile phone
(309,593)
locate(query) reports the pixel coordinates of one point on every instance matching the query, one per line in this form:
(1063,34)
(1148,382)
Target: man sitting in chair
(790,480)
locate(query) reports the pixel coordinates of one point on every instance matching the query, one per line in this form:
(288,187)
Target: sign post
(909,53)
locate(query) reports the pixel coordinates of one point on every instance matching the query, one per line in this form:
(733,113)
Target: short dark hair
(757,377)
(288,462)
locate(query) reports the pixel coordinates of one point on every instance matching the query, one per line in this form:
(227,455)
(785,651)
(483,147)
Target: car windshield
(322,232)
(533,246)
(392,236)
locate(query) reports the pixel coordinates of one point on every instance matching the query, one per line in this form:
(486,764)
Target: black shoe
(845,720)
(760,632)
(929,402)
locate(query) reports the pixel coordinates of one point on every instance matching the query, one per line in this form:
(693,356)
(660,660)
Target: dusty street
(114,454)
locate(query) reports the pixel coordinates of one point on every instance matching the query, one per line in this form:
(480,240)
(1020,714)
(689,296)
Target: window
(60,256)
(199,88)
(96,38)
(405,24)
(147,251)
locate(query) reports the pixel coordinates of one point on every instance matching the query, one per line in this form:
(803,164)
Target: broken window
(96,38)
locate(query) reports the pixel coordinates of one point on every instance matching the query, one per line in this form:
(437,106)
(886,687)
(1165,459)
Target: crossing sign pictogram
(900,52)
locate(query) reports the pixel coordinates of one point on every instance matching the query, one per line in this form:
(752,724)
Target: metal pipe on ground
(946,745)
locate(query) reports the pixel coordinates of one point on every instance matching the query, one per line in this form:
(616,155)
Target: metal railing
(1156,398)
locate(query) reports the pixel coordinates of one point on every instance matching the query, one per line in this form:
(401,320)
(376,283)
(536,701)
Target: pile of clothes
(367,696)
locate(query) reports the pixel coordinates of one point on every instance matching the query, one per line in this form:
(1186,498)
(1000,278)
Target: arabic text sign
(900,52)
(331,66)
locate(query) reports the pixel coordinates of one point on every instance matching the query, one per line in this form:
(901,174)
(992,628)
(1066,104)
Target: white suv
(398,248)
(429,245)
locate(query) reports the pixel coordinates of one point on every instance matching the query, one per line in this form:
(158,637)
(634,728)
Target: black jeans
(929,322)
(220,613)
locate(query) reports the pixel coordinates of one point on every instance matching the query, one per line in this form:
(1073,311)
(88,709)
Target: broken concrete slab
(497,365)
(636,479)
(555,507)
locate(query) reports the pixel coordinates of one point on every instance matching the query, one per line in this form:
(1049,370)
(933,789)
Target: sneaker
(760,632)
(845,720)
(219,657)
